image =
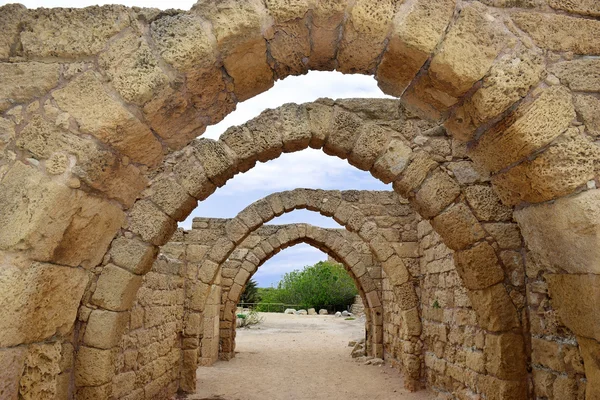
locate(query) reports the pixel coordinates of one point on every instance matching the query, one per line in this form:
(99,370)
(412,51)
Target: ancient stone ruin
(480,273)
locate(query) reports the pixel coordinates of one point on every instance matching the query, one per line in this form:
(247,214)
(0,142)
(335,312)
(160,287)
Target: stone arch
(344,208)
(333,243)
(380,138)
(469,65)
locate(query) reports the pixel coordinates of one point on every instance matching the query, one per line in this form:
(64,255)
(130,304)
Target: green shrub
(318,286)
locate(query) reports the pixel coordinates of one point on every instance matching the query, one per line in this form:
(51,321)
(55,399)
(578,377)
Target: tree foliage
(250,293)
(319,286)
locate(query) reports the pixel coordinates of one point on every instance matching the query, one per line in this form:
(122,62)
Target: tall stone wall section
(148,364)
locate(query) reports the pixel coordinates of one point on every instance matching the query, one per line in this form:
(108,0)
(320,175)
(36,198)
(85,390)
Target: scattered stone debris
(338,314)
(301,312)
(375,361)
(312,311)
(289,311)
(346,314)
(323,311)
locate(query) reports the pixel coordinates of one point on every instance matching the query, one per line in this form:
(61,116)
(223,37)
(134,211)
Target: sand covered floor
(300,357)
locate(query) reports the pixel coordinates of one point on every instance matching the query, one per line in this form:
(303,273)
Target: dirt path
(294,357)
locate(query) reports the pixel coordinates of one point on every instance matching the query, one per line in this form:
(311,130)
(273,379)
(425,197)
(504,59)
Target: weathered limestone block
(38,301)
(414,174)
(495,311)
(133,69)
(505,356)
(464,57)
(90,231)
(567,293)
(237,26)
(23,82)
(590,351)
(96,164)
(11,16)
(555,31)
(364,35)
(104,328)
(372,141)
(99,115)
(38,224)
(41,371)
(217,159)
(190,175)
(344,133)
(132,254)
(295,129)
(458,227)
(478,266)
(289,44)
(93,367)
(486,204)
(405,296)
(395,270)
(124,384)
(507,235)
(116,288)
(436,193)
(392,162)
(12,361)
(148,221)
(556,172)
(72,32)
(546,353)
(499,389)
(588,107)
(565,234)
(530,127)
(325,33)
(509,80)
(417,29)
(241,141)
(584,7)
(580,75)
(171,198)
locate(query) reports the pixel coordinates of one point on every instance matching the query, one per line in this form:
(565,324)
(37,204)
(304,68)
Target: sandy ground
(300,357)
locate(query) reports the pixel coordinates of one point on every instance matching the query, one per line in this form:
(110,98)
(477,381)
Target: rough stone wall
(149,362)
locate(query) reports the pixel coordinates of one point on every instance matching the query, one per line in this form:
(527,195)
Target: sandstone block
(371,143)
(104,328)
(486,204)
(172,198)
(478,266)
(72,33)
(12,361)
(588,107)
(396,270)
(581,75)
(133,69)
(495,311)
(23,82)
(436,193)
(498,389)
(458,227)
(325,33)
(590,349)
(509,80)
(555,31)
(406,296)
(99,115)
(150,223)
(584,7)
(93,367)
(393,161)
(465,56)
(416,32)
(116,288)
(217,159)
(414,174)
(530,127)
(505,356)
(191,176)
(566,292)
(343,135)
(364,34)
(290,47)
(132,254)
(39,301)
(507,235)
(295,129)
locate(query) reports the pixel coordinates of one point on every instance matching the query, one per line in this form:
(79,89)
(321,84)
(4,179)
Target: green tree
(250,293)
(318,286)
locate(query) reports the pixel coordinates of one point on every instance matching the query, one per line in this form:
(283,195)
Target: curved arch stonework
(94,100)
(332,242)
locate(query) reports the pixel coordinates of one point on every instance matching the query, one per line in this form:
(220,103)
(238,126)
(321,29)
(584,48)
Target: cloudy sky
(308,169)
